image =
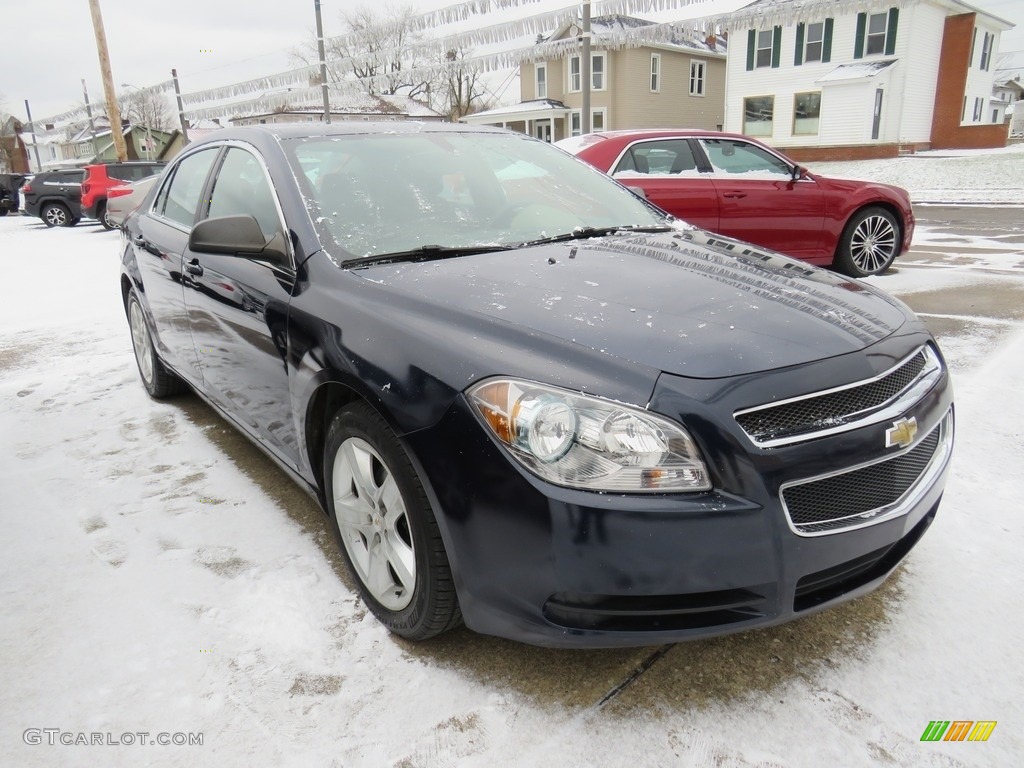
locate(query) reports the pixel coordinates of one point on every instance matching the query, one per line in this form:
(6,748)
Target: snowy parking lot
(158,576)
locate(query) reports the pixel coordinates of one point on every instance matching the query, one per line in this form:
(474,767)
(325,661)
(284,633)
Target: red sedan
(738,187)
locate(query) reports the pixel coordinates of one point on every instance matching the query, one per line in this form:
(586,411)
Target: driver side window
(732,156)
(241,189)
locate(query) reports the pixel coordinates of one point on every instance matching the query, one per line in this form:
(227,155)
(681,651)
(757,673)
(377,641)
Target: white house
(845,79)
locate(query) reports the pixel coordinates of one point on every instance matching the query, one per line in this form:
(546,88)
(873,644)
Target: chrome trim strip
(902,505)
(888,410)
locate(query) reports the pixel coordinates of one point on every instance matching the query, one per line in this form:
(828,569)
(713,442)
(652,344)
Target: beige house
(643,75)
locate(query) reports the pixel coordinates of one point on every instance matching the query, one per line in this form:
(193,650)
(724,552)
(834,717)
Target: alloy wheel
(374,524)
(141,342)
(873,243)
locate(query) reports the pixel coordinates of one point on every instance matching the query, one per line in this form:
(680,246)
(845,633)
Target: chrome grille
(862,495)
(819,413)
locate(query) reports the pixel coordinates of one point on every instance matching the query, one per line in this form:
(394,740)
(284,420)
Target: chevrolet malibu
(737,186)
(528,400)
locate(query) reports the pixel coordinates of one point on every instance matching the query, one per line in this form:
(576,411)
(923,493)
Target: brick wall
(950,86)
(858,152)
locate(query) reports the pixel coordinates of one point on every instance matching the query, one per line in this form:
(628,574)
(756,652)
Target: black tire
(102,214)
(386,525)
(870,242)
(157,380)
(3,211)
(57,215)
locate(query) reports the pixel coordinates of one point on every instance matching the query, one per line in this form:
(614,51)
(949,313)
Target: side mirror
(798,172)
(237,236)
(638,191)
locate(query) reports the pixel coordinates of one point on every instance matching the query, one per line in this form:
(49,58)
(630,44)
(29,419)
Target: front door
(761,203)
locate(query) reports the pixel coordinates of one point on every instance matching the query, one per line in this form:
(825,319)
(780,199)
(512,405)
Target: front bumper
(558,567)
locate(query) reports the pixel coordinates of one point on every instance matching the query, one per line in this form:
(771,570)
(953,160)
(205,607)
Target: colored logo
(901,433)
(958,730)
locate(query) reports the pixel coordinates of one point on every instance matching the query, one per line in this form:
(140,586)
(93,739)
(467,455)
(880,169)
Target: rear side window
(132,172)
(179,198)
(670,157)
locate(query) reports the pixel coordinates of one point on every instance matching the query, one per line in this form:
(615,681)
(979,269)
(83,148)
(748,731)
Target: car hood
(689,303)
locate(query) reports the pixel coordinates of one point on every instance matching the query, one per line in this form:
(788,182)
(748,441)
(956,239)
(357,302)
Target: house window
(986,50)
(655,72)
(575,79)
(542,81)
(698,72)
(597,72)
(814,41)
(876,33)
(995,115)
(758,113)
(575,123)
(979,105)
(597,119)
(763,47)
(806,110)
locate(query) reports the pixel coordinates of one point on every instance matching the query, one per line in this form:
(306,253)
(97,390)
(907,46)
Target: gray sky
(48,47)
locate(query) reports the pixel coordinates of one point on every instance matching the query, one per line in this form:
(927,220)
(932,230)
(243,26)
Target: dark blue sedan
(529,400)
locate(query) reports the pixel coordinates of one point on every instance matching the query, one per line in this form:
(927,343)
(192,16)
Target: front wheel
(387,530)
(105,219)
(159,382)
(870,243)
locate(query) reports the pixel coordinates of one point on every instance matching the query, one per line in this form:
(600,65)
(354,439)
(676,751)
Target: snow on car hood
(688,303)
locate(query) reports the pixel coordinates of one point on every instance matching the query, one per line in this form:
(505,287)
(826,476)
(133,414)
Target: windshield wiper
(425,253)
(583,233)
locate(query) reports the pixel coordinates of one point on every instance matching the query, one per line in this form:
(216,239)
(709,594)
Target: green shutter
(776,46)
(751,48)
(890,32)
(798,57)
(826,46)
(858,45)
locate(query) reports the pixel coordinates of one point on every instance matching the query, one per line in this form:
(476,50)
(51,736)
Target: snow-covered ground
(149,584)
(945,176)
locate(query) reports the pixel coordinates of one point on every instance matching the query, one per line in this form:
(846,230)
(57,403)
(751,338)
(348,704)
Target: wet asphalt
(973,318)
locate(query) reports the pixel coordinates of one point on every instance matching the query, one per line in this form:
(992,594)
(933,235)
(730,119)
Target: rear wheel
(3,211)
(57,215)
(870,243)
(159,382)
(104,219)
(387,530)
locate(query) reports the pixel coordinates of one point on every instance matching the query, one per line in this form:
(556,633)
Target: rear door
(760,201)
(160,239)
(668,172)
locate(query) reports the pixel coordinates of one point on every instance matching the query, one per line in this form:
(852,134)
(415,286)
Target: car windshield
(376,194)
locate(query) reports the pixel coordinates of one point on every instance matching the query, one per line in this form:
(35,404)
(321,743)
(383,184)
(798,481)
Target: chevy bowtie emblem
(901,433)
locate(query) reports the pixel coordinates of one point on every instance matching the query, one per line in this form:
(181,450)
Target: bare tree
(149,109)
(382,51)
(8,140)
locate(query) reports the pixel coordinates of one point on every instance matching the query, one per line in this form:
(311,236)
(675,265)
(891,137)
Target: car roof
(342,128)
(663,133)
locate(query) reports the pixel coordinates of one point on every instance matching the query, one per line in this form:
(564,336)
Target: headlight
(583,442)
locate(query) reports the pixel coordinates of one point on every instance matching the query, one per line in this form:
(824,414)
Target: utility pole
(35,145)
(108,82)
(585,70)
(181,109)
(92,125)
(323,61)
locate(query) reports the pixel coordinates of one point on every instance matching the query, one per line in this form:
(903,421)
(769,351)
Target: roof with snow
(619,30)
(791,11)
(859,71)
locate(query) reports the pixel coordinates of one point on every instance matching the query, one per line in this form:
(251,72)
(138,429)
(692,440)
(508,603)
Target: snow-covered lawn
(960,176)
(149,584)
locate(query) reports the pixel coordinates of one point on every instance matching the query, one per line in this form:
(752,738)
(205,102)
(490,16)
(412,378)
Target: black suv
(55,197)
(10,183)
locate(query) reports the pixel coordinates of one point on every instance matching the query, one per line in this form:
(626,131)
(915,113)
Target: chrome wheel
(374,524)
(141,342)
(56,216)
(873,243)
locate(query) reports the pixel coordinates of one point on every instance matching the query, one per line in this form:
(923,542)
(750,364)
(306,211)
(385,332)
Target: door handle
(194,268)
(734,195)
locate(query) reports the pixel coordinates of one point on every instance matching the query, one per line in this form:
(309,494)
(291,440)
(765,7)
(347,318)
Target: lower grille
(619,613)
(862,495)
